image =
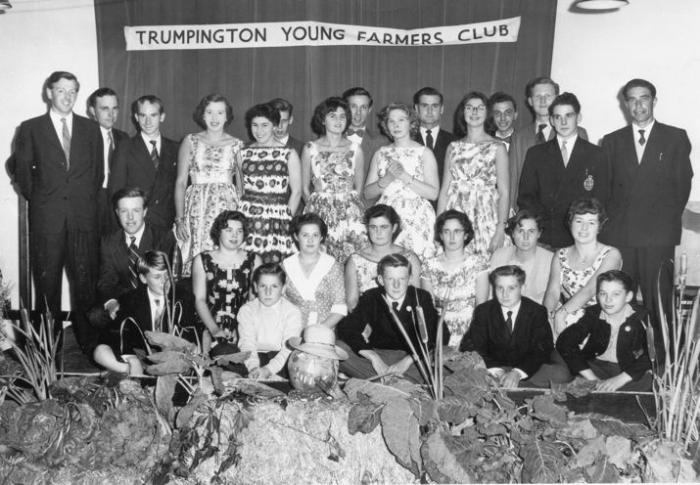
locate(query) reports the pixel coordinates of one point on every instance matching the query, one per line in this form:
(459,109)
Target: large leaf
(542,462)
(578,428)
(364,416)
(545,409)
(589,453)
(165,388)
(455,411)
(614,427)
(446,460)
(170,342)
(619,451)
(378,393)
(401,433)
(602,471)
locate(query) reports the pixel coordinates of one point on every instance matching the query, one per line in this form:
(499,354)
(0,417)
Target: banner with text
(310,33)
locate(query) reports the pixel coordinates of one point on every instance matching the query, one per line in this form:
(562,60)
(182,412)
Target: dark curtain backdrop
(307,75)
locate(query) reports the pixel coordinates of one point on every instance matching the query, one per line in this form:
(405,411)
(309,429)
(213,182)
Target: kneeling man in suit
(510,332)
(386,350)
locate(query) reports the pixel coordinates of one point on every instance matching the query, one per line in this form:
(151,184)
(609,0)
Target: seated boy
(386,351)
(147,305)
(615,353)
(266,323)
(510,332)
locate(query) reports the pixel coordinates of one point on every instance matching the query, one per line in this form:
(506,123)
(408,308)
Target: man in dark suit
(562,170)
(120,250)
(539,92)
(503,112)
(149,161)
(58,167)
(386,351)
(651,178)
(103,107)
(282,135)
(510,332)
(360,102)
(428,103)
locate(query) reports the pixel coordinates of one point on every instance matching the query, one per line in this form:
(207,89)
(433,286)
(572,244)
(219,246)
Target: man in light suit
(103,107)
(58,167)
(651,178)
(510,332)
(540,92)
(149,161)
(428,103)
(282,135)
(562,170)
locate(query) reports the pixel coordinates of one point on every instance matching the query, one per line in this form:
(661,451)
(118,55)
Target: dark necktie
(507,139)
(360,132)
(395,306)
(65,135)
(642,140)
(133,261)
(540,133)
(110,149)
(429,142)
(154,154)
(158,320)
(509,321)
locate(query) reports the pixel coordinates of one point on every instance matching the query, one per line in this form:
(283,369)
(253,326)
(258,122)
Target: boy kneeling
(510,332)
(386,350)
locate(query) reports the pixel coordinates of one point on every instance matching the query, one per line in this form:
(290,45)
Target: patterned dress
(336,201)
(227,290)
(573,280)
(417,214)
(211,170)
(320,293)
(472,189)
(265,196)
(454,291)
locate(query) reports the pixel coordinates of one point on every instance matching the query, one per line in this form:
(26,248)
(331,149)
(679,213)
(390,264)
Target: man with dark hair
(651,179)
(562,170)
(386,350)
(285,109)
(58,168)
(429,105)
(103,107)
(503,111)
(539,94)
(149,161)
(360,102)
(510,332)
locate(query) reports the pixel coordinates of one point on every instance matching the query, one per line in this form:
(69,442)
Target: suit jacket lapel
(651,151)
(501,329)
(143,153)
(51,135)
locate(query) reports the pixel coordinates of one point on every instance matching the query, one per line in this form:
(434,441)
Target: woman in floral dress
(221,281)
(210,159)
(271,186)
(476,179)
(334,167)
(458,277)
(404,176)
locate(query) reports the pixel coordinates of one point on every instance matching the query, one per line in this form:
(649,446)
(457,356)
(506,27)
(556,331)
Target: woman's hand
(559,321)
(497,239)
(260,373)
(181,229)
(396,170)
(221,333)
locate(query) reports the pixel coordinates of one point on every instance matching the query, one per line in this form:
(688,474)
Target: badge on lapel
(588,182)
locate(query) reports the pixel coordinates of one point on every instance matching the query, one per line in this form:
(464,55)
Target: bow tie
(360,132)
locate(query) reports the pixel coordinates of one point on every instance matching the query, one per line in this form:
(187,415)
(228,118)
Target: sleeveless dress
(212,191)
(472,189)
(227,290)
(454,291)
(417,214)
(264,202)
(572,280)
(366,270)
(336,201)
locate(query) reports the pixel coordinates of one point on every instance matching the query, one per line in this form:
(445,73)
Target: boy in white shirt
(266,323)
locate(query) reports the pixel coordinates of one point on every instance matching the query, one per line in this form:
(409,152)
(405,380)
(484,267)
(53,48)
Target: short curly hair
(198,115)
(305,219)
(329,105)
(221,222)
(264,110)
(520,216)
(460,217)
(384,118)
(461,121)
(586,205)
(385,211)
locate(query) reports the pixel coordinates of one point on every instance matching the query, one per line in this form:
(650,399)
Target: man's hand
(112,307)
(378,364)
(511,379)
(613,383)
(260,373)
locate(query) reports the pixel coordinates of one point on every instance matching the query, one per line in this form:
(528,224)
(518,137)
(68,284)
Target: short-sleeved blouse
(319,294)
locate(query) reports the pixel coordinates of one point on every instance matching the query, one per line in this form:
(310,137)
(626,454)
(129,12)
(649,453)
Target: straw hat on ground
(318,340)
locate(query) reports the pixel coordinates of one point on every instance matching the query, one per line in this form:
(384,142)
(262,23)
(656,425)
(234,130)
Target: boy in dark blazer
(386,351)
(149,161)
(510,332)
(651,178)
(58,168)
(562,170)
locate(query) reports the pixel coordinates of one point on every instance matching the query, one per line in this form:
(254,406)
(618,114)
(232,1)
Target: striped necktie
(133,262)
(154,154)
(65,135)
